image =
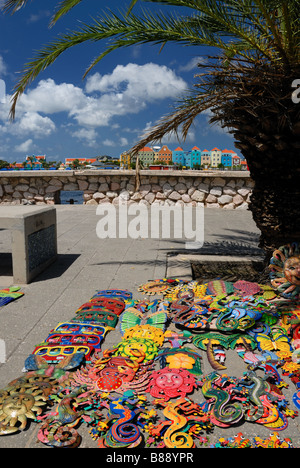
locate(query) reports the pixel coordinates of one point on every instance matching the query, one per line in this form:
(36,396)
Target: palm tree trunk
(275,211)
(267,130)
(137,175)
(273,162)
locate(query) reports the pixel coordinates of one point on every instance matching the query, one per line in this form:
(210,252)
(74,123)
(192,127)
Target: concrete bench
(33,238)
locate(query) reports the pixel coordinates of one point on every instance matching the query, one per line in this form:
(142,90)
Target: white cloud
(87,135)
(33,18)
(123,141)
(172,137)
(29,122)
(34,123)
(140,83)
(127,90)
(2,91)
(3,68)
(108,142)
(192,64)
(50,98)
(24,147)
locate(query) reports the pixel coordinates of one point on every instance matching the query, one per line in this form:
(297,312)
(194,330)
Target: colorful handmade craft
(153,313)
(141,391)
(159,286)
(180,358)
(171,382)
(9,294)
(285,270)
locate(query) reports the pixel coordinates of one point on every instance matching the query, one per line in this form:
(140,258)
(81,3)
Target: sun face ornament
(285,270)
(170,383)
(129,347)
(145,331)
(18,407)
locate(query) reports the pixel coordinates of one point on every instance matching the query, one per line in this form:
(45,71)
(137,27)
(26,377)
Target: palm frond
(11,6)
(63,8)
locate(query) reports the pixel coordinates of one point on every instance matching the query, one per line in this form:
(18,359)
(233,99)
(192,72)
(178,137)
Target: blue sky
(61,115)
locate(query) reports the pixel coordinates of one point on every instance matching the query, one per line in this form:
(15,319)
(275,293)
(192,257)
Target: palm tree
(247,86)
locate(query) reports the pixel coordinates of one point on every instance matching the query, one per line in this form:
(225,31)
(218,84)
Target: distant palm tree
(247,86)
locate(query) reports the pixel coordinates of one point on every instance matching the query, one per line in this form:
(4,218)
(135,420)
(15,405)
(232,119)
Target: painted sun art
(285,270)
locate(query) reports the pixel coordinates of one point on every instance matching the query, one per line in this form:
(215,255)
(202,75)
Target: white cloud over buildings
(128,89)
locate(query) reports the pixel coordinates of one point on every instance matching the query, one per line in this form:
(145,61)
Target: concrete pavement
(87,264)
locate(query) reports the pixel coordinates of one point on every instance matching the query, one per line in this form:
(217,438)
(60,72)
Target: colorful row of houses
(150,157)
(195,157)
(31,162)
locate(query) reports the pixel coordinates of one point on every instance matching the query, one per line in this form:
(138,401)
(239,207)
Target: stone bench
(33,239)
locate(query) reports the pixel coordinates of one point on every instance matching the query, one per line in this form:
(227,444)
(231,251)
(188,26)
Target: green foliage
(3,164)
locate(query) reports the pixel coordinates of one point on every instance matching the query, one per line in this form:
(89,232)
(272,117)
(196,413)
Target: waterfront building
(236,160)
(205,158)
(226,158)
(125,160)
(216,157)
(179,156)
(244,165)
(165,155)
(69,161)
(34,162)
(146,156)
(193,157)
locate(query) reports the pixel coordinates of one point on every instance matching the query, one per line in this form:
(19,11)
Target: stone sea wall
(215,189)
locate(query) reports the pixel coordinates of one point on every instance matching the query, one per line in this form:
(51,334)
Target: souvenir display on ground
(141,392)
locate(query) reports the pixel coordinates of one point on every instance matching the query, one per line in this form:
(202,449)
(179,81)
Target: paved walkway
(87,264)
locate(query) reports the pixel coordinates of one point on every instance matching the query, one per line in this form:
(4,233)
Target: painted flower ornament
(285,270)
(180,360)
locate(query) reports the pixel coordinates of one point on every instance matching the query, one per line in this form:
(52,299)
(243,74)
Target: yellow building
(125,160)
(215,157)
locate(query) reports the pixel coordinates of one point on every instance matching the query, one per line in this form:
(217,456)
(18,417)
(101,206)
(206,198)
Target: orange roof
(205,151)
(91,160)
(216,149)
(178,149)
(196,148)
(146,148)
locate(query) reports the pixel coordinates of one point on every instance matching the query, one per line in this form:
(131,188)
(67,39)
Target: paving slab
(87,264)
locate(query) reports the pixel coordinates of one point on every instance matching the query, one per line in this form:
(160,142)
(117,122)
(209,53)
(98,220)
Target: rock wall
(221,189)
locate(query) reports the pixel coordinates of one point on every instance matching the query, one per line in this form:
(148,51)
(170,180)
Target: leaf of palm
(275,20)
(63,8)
(14,5)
